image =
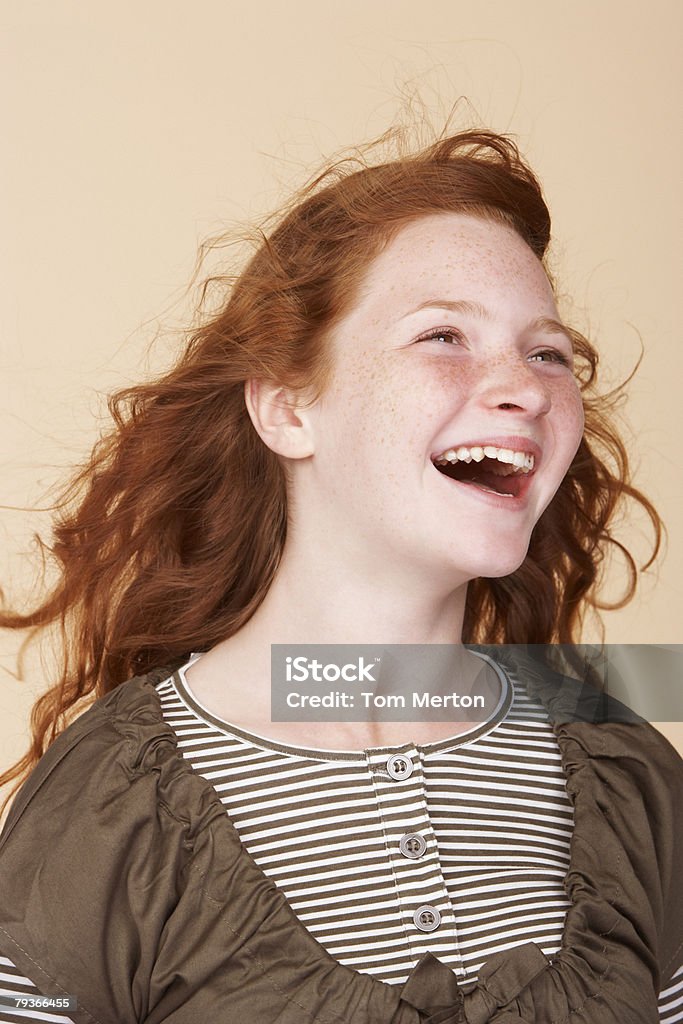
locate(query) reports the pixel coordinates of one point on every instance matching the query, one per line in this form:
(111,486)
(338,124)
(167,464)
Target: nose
(515,384)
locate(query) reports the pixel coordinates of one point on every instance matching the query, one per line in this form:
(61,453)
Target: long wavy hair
(167,539)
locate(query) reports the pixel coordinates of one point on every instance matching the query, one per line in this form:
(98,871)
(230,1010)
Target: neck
(331,600)
(334,601)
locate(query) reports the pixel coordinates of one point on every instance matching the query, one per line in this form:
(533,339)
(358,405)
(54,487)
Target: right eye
(447,335)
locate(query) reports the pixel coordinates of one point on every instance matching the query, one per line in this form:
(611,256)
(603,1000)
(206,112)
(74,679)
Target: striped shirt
(461,849)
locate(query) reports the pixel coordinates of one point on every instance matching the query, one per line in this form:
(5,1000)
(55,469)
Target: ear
(280,418)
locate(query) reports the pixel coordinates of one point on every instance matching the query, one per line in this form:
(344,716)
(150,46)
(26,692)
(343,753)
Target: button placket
(411,846)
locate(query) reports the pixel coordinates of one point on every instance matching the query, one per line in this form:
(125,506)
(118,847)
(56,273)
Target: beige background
(136,129)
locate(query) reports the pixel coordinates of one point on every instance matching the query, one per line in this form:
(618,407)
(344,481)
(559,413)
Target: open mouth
(488,475)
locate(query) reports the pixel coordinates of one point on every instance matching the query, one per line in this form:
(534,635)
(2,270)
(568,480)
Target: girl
(385,435)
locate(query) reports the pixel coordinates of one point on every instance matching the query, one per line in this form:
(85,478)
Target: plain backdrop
(132,131)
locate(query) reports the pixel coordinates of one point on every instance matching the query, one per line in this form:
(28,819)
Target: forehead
(455,256)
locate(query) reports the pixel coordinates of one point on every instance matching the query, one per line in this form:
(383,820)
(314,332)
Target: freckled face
(448,343)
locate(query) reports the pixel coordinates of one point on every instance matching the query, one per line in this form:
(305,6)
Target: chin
(495,567)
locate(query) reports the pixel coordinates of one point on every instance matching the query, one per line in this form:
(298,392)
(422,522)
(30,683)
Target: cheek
(378,404)
(449,374)
(569,419)
(363,415)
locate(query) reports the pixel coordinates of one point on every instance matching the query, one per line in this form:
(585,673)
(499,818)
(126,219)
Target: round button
(427,918)
(400,767)
(412,845)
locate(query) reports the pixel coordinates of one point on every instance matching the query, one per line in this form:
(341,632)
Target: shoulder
(107,741)
(96,848)
(635,747)
(111,758)
(626,783)
(112,791)
(120,754)
(587,717)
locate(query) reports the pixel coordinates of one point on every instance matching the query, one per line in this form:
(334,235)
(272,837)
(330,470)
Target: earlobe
(279,418)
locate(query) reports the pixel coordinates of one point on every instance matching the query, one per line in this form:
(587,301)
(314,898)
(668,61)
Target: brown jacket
(123,882)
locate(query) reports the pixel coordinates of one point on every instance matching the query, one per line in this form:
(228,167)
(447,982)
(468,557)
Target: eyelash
(450,332)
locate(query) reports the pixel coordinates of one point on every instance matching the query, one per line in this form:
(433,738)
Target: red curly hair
(168,538)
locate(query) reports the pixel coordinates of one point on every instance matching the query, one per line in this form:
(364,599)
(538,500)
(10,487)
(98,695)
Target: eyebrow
(475,309)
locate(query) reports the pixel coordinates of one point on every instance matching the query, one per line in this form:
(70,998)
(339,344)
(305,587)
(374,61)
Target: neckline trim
(323,754)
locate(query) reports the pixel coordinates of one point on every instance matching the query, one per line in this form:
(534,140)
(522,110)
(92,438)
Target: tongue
(483,487)
(487,480)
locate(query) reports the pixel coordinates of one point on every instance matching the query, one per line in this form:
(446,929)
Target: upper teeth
(518,460)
